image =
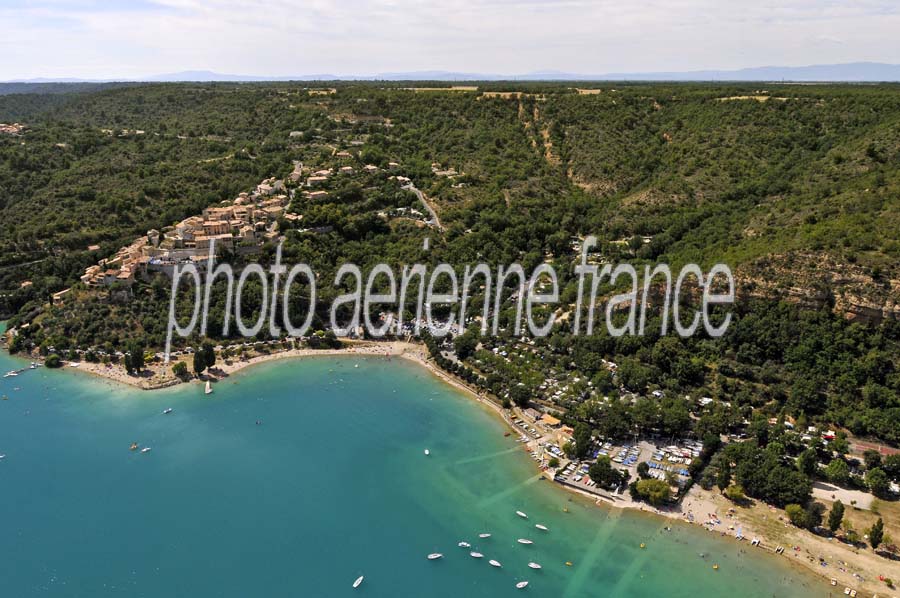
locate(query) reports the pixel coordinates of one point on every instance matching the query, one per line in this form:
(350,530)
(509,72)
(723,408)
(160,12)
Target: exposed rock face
(815,279)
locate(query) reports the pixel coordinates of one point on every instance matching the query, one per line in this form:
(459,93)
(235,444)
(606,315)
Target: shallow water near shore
(331,484)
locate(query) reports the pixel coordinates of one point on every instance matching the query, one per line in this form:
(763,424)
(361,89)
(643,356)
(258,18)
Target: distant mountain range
(848,72)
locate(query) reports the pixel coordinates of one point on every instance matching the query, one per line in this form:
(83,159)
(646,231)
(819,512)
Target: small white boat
(534,565)
(524,541)
(11,373)
(435,556)
(358,581)
(146,449)
(208,389)
(427,452)
(2,457)
(476,555)
(521,514)
(167,411)
(464,545)
(495,563)
(541,527)
(484,535)
(522,584)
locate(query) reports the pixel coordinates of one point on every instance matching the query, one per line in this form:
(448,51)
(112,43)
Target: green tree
(891,466)
(814,513)
(199,362)
(582,437)
(656,492)
(836,516)
(735,493)
(838,471)
(180,369)
(53,361)
(876,534)
(520,395)
(134,357)
(872,459)
(643,469)
(209,354)
(604,473)
(840,444)
(808,462)
(878,482)
(797,515)
(465,344)
(723,476)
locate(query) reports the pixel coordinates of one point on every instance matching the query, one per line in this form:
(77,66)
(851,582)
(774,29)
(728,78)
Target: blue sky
(122,38)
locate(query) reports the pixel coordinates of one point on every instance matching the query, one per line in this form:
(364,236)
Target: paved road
(421,196)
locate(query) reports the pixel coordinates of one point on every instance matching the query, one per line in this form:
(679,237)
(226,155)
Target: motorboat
(521,585)
(495,563)
(358,581)
(521,514)
(542,527)
(10,374)
(524,541)
(484,535)
(146,449)
(208,389)
(133,447)
(534,565)
(427,452)
(435,556)
(464,545)
(167,411)
(476,555)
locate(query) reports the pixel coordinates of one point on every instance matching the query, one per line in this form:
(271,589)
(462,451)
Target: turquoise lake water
(332,484)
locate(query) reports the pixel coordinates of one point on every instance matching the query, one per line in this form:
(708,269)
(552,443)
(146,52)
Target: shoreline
(705,506)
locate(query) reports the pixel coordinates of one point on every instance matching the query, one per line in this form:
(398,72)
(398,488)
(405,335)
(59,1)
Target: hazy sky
(134,38)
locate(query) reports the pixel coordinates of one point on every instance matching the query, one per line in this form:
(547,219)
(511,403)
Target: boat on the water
(484,535)
(10,373)
(524,541)
(358,581)
(133,447)
(522,584)
(476,555)
(167,411)
(435,556)
(541,527)
(427,452)
(464,545)
(146,449)
(208,389)
(495,563)
(521,514)
(534,565)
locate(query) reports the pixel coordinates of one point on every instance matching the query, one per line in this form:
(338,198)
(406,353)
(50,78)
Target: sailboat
(208,389)
(358,581)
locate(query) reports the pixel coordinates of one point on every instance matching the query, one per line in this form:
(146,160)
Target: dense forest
(796,187)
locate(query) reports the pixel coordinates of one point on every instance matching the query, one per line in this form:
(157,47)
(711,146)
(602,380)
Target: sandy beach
(850,567)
